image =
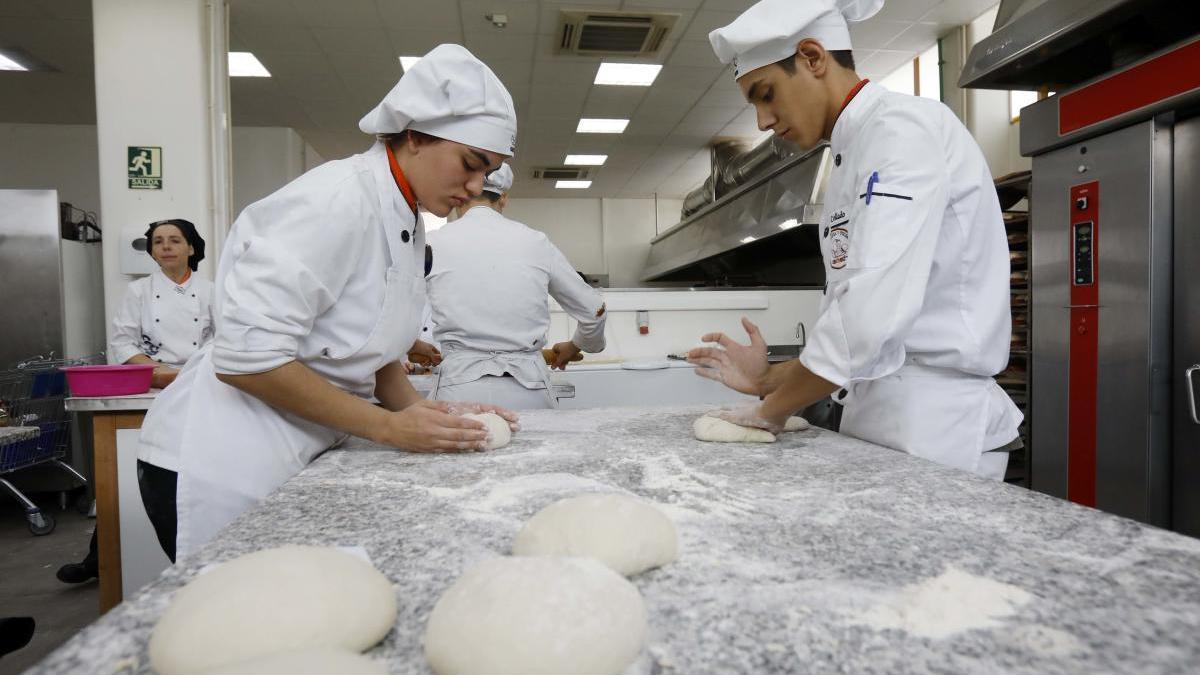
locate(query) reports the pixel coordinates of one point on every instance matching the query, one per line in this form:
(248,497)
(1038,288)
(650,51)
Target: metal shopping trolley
(35,427)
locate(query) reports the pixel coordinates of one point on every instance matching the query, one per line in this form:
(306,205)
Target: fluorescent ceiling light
(788,224)
(573,184)
(747,240)
(601,126)
(8,64)
(627,74)
(244,64)
(407,62)
(585,160)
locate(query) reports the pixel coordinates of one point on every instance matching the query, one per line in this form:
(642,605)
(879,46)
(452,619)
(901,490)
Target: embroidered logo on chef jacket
(839,245)
(148,346)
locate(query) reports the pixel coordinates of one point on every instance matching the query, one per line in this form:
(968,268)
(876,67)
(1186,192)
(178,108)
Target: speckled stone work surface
(785,550)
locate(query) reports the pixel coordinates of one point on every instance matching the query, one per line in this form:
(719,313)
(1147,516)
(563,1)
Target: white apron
(457,361)
(238,449)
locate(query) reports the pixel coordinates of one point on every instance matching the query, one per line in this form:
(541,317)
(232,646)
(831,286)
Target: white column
(161,82)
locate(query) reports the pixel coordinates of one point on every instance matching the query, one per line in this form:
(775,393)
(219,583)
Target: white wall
(985,112)
(600,236)
(52,156)
(265,159)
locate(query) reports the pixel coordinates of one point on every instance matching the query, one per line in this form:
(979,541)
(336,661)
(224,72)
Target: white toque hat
(452,95)
(500,180)
(770,30)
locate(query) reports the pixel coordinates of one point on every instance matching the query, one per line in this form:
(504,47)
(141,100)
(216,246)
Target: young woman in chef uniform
(915,317)
(318,297)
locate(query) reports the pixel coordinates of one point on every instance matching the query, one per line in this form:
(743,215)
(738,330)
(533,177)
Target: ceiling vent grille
(562,173)
(613,33)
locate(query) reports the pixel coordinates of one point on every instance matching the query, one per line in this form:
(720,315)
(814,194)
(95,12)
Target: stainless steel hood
(1058,43)
(761,234)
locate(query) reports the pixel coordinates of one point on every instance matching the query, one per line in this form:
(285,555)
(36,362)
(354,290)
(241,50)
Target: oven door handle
(1191,390)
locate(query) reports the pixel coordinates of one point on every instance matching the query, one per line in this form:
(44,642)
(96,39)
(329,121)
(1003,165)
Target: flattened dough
(307,662)
(272,601)
(719,431)
(497,426)
(536,616)
(627,534)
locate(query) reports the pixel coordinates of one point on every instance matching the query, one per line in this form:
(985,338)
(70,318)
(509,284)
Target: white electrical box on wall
(134,259)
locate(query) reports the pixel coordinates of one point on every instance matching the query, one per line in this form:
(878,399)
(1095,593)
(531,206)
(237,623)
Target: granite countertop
(15,434)
(788,552)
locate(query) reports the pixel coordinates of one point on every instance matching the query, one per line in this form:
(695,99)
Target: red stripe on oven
(1084,347)
(1162,77)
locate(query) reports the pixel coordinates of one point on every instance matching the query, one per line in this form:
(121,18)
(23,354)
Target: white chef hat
(500,180)
(770,29)
(452,95)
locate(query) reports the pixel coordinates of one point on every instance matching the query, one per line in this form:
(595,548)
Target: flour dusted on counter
(950,603)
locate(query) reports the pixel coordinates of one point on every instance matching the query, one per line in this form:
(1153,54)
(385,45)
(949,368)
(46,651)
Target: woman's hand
(462,408)
(433,426)
(163,376)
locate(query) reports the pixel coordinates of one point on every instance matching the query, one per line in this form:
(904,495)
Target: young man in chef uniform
(915,317)
(487,289)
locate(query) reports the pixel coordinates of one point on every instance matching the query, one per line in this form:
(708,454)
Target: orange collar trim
(853,92)
(401,181)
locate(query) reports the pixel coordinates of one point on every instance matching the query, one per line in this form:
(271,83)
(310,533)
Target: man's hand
(750,416)
(564,353)
(424,354)
(740,367)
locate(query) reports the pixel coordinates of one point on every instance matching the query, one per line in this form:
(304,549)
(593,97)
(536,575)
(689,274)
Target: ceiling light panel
(8,64)
(601,126)
(245,64)
(627,74)
(585,160)
(573,184)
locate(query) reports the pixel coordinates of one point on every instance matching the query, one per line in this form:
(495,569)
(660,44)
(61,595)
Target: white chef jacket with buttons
(162,319)
(915,320)
(488,290)
(327,272)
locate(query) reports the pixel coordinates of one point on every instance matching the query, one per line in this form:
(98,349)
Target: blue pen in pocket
(871,185)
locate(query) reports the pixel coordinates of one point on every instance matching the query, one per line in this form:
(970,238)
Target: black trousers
(157,486)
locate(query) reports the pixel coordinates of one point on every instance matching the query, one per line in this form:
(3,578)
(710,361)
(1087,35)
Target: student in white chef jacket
(915,318)
(487,289)
(318,298)
(167,316)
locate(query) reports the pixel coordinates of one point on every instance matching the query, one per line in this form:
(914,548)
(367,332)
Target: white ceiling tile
(618,102)
(522,15)
(876,33)
(24,9)
(416,42)
(693,53)
(549,72)
(343,13)
(70,9)
(723,93)
(715,118)
(705,21)
(957,12)
(687,77)
(296,66)
(906,10)
(917,38)
(259,37)
(883,62)
(265,14)
(410,15)
(370,39)
(496,47)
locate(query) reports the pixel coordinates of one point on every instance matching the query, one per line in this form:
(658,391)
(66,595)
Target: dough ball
(626,534)
(719,431)
(277,600)
(796,424)
(322,661)
(497,427)
(536,616)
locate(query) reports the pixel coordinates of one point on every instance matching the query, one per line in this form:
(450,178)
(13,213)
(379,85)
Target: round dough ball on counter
(796,424)
(497,427)
(536,616)
(306,662)
(719,431)
(626,534)
(268,602)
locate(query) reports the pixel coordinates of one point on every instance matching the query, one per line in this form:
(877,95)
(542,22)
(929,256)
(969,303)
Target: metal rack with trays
(1014,192)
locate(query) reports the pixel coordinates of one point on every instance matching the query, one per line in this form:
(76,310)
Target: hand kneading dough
(272,601)
(712,429)
(536,616)
(497,426)
(627,534)
(306,662)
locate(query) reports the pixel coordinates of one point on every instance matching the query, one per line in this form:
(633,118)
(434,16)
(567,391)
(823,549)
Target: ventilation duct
(613,33)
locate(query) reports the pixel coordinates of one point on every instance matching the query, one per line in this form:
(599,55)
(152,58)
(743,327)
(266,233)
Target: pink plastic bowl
(109,380)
